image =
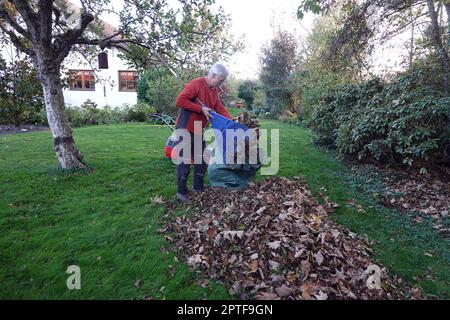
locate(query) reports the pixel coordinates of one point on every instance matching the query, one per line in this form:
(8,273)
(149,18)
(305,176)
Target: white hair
(219,70)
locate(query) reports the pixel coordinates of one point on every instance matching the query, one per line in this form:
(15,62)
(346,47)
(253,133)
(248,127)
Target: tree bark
(411,45)
(447,8)
(67,153)
(437,39)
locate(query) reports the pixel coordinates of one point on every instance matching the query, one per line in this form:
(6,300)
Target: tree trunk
(411,45)
(447,8)
(67,153)
(440,48)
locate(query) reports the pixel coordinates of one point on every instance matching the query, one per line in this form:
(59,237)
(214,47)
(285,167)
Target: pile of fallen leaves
(275,241)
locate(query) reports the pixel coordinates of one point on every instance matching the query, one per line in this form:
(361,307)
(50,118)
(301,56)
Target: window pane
(92,80)
(82,79)
(127,80)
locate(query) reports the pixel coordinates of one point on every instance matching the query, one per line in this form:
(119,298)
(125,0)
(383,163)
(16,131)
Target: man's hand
(206,111)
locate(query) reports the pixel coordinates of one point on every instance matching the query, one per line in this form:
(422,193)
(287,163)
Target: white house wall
(107,82)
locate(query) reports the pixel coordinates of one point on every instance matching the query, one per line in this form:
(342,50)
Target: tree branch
(29,16)
(45,21)
(7,17)
(64,42)
(17,41)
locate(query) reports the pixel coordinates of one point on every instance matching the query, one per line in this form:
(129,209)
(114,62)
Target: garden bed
(10,129)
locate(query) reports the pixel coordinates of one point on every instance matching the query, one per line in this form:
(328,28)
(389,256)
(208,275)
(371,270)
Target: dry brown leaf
(212,233)
(321,296)
(319,258)
(308,289)
(274,245)
(267,296)
(253,265)
(284,291)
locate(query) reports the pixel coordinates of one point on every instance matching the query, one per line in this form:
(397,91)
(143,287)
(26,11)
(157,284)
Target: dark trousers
(183,170)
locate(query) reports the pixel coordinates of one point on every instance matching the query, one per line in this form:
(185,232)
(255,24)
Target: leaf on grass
(157,200)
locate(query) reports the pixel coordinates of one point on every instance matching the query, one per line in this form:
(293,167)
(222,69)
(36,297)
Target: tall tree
(387,17)
(437,39)
(279,60)
(20,92)
(48,30)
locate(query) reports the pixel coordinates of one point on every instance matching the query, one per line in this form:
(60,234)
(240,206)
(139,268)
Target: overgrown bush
(398,122)
(338,107)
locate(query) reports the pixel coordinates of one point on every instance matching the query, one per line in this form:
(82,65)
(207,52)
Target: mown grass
(106,223)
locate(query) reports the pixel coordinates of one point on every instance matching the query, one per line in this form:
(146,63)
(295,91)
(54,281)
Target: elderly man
(195,102)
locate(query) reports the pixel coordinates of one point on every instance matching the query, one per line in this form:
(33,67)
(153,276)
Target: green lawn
(105,221)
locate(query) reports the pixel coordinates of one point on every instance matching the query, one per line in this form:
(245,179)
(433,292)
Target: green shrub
(398,122)
(140,112)
(76,116)
(90,111)
(109,115)
(88,114)
(401,130)
(338,107)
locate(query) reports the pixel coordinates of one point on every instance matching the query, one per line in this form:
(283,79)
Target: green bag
(232,176)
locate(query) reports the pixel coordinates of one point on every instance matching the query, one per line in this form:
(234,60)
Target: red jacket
(191,110)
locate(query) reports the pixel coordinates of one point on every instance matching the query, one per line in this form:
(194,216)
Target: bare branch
(29,16)
(11,21)
(17,41)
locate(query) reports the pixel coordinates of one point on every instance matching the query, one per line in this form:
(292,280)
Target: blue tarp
(230,176)
(221,124)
